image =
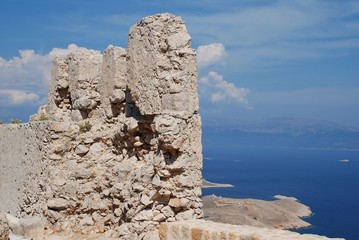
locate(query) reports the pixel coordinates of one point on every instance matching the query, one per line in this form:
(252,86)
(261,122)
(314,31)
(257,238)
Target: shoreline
(283,213)
(208,184)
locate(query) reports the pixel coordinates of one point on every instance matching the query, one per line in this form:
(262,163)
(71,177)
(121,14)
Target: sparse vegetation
(85,127)
(15,121)
(1,122)
(43,117)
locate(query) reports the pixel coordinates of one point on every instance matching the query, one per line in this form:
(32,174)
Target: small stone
(172,219)
(123,229)
(94,202)
(138,187)
(186,215)
(82,103)
(178,40)
(88,141)
(81,150)
(156,180)
(4,227)
(87,221)
(53,214)
(59,127)
(118,212)
(106,192)
(96,149)
(164,173)
(167,211)
(186,181)
(55,157)
(175,202)
(118,96)
(145,215)
(138,144)
(145,200)
(160,217)
(58,204)
(62,84)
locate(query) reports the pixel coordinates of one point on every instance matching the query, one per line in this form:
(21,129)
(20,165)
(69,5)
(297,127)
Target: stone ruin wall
(22,157)
(122,150)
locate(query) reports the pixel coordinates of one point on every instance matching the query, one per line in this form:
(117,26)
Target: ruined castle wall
(22,164)
(124,152)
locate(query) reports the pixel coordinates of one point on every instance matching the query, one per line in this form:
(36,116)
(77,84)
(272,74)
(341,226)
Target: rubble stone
(4,227)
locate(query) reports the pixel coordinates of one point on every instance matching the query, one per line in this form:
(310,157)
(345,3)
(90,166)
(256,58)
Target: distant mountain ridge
(295,126)
(282,132)
(287,125)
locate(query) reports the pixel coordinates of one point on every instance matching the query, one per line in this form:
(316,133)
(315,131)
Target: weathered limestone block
(112,86)
(23,167)
(162,67)
(31,227)
(84,70)
(59,104)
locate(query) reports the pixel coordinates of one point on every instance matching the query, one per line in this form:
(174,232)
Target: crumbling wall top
(163,69)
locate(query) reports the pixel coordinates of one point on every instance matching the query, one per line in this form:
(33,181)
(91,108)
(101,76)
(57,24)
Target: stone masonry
(123,138)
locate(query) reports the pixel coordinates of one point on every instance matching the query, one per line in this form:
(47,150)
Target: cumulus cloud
(211,54)
(62,52)
(217,89)
(16,97)
(280,32)
(24,79)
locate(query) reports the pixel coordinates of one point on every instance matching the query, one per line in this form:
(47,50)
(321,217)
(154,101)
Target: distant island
(283,213)
(207,184)
(344,160)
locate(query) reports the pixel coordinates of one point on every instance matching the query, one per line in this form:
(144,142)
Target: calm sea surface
(316,177)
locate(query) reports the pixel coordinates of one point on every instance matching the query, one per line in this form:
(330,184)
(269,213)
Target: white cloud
(24,79)
(326,96)
(211,54)
(281,30)
(218,89)
(16,97)
(62,52)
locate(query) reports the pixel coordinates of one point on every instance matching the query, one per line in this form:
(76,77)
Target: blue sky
(257,59)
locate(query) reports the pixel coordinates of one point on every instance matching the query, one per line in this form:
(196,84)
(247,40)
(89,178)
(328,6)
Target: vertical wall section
(22,165)
(124,149)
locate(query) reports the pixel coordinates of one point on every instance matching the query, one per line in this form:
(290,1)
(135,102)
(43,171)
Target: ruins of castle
(117,150)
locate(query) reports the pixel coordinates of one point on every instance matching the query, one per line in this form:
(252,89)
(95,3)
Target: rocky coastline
(208,184)
(282,213)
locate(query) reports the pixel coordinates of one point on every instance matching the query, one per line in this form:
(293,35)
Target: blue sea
(316,177)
